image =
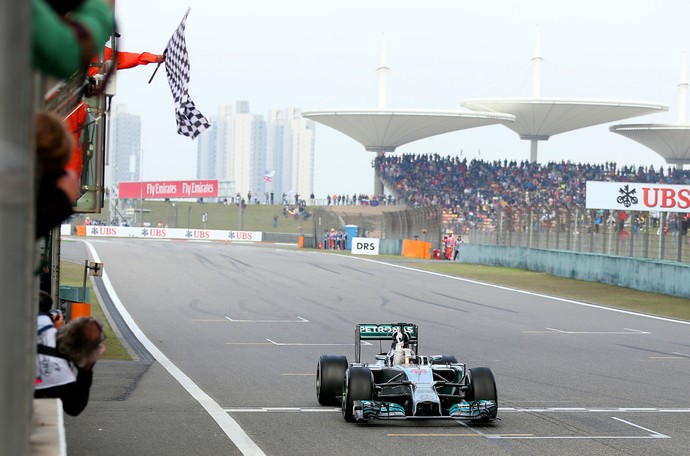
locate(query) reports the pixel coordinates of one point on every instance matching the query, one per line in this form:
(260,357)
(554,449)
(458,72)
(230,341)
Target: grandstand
(471,191)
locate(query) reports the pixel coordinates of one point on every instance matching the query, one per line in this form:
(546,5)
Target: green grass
(73,274)
(591,292)
(183,214)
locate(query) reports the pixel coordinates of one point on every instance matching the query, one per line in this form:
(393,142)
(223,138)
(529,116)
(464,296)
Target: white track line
(654,434)
(529,293)
(291,344)
(627,331)
(256,409)
(229,426)
(299,320)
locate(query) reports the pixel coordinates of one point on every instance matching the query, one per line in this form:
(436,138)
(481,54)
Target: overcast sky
(316,54)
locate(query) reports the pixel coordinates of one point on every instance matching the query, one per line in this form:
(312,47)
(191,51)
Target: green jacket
(56,50)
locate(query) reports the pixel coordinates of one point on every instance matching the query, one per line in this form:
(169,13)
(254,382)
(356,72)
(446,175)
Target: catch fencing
(653,235)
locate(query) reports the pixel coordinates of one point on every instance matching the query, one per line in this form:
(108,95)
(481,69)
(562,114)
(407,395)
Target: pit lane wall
(168,233)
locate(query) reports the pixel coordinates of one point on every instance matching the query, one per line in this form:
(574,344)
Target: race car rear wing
(383,331)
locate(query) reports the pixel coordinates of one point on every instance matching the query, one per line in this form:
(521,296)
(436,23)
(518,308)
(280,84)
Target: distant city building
(125,147)
(250,154)
(290,152)
(234,149)
(259,156)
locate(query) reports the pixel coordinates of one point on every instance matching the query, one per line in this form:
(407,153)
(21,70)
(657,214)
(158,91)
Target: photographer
(65,359)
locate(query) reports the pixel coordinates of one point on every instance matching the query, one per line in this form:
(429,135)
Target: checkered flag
(190,122)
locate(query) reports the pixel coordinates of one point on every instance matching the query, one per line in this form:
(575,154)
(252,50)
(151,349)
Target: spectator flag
(268,176)
(190,122)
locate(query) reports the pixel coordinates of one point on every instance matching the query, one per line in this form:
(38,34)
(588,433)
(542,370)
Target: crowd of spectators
(359,200)
(475,189)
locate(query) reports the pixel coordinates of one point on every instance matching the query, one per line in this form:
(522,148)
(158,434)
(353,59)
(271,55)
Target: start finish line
(167,233)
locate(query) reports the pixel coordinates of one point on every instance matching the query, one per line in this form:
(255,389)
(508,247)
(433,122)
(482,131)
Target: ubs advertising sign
(169,189)
(365,246)
(627,196)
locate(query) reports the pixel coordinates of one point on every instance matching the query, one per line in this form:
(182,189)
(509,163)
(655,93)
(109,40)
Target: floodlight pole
(537,60)
(682,93)
(682,98)
(382,71)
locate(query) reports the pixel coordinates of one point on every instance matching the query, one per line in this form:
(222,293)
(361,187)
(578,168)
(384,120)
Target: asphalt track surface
(235,332)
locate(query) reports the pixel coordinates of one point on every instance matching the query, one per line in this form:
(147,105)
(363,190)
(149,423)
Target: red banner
(169,189)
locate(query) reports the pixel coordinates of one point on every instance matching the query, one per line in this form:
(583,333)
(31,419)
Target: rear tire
(359,385)
(330,375)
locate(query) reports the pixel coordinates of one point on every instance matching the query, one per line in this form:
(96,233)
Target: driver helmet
(399,336)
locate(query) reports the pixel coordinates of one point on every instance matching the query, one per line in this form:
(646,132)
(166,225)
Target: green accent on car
(384,331)
(481,409)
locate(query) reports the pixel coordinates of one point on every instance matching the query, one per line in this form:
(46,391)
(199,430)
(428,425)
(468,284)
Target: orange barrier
(81,230)
(80,309)
(300,241)
(416,249)
(427,250)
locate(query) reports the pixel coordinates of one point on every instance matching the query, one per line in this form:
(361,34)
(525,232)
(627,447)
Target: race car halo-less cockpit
(401,384)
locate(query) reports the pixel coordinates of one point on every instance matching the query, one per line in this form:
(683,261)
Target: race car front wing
(475,410)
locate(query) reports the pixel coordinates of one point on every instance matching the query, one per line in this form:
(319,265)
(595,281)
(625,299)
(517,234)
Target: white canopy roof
(540,118)
(671,141)
(384,129)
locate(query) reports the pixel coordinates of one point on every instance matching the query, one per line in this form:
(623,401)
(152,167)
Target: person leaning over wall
(57,188)
(67,34)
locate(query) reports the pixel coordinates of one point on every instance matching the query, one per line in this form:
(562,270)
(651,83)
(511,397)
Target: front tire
(330,375)
(359,385)
(482,386)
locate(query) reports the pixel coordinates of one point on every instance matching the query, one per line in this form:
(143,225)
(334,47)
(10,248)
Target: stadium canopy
(538,118)
(671,141)
(383,129)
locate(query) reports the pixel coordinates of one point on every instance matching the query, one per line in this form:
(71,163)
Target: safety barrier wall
(655,276)
(168,233)
(416,249)
(390,247)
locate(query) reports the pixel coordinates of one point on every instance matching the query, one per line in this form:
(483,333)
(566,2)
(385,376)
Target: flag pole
(155,71)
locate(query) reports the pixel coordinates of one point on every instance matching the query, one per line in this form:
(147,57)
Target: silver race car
(402,384)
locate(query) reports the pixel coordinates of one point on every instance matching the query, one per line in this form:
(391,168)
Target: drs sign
(365,246)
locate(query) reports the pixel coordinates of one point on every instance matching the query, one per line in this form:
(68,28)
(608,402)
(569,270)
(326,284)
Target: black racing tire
(445,359)
(330,378)
(359,385)
(482,386)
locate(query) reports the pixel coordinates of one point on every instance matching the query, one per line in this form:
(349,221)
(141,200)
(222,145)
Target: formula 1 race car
(402,384)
